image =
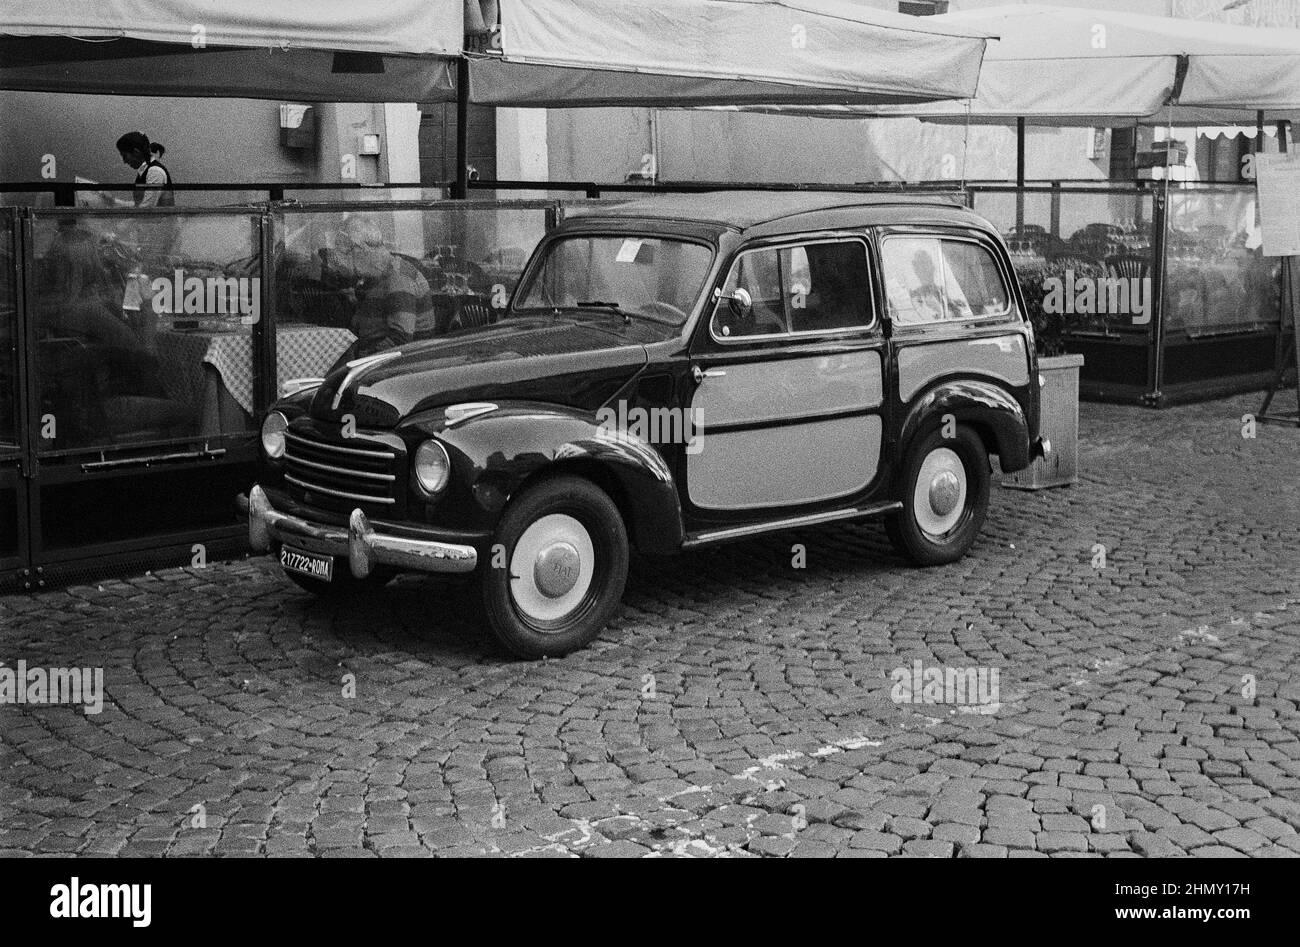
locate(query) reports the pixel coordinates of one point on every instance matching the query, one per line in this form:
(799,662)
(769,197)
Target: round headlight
(273,435)
(432,466)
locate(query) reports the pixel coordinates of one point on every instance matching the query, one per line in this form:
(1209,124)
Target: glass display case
(139,348)
(1165,293)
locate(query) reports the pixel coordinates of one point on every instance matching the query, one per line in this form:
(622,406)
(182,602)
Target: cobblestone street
(739,706)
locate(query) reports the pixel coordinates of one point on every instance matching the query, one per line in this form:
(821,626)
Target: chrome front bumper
(359,544)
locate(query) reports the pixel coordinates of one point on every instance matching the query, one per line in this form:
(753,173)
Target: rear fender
(992,411)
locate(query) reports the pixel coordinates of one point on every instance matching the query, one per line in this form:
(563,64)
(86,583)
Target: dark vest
(167,198)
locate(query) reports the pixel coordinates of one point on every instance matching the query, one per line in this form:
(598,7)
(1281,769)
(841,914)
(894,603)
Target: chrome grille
(360,472)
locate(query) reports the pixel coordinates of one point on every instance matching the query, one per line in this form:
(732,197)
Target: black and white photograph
(644,429)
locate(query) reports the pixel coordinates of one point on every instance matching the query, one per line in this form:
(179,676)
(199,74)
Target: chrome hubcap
(945,491)
(552,568)
(939,499)
(557,568)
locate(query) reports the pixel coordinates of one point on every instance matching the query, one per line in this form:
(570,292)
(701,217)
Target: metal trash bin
(1059,423)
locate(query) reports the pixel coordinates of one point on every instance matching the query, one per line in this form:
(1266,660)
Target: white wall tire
(944,486)
(939,495)
(566,564)
(551,568)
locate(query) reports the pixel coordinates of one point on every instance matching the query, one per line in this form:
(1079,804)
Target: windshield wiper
(603,304)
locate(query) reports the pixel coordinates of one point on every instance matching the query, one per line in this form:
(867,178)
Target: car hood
(561,361)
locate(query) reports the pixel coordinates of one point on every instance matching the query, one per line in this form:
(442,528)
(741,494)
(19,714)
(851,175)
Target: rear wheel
(944,487)
(566,561)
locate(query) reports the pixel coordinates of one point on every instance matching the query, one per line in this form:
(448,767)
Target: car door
(952,311)
(789,370)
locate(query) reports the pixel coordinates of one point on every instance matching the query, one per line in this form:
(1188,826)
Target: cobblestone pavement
(739,706)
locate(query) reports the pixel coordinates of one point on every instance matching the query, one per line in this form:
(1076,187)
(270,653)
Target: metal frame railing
(64,193)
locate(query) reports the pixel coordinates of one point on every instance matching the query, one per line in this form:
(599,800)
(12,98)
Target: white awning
(315,50)
(1071,66)
(567,53)
(1058,65)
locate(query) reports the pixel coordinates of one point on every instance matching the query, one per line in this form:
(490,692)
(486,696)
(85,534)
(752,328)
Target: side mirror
(741,302)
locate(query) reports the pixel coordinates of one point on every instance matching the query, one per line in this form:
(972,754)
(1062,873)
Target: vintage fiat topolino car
(669,374)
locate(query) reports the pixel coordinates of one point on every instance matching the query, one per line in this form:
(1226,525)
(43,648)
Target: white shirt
(155,179)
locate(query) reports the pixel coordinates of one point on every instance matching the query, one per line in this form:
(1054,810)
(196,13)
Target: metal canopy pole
(1020,176)
(460,190)
(1161,211)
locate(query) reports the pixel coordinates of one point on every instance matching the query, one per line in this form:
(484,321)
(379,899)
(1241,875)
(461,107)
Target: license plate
(308,564)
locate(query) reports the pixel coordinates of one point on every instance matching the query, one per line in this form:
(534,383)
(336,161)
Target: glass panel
(222,198)
(919,284)
(26,199)
(1082,258)
(143,327)
(355,195)
(352,282)
(828,286)
(125,198)
(972,275)
(8,337)
(1218,280)
(640,276)
(758,274)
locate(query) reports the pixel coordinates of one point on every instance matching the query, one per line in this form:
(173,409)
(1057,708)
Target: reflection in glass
(1070,251)
(931,280)
(654,278)
(353,283)
(143,328)
(1218,279)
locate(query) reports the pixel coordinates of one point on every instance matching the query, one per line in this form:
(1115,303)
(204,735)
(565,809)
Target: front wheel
(565,556)
(944,487)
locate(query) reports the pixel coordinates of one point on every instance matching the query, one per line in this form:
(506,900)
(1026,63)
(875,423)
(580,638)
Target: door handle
(700,374)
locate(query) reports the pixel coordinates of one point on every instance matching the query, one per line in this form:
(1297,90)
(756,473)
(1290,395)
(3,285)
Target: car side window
(814,287)
(933,279)
(758,273)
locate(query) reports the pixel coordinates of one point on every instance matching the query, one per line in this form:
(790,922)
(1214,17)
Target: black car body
(776,360)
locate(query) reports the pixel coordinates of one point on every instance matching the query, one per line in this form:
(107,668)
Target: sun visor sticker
(635,251)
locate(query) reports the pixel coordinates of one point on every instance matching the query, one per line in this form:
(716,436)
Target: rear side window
(935,279)
(812,287)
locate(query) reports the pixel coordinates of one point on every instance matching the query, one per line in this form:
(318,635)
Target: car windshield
(641,277)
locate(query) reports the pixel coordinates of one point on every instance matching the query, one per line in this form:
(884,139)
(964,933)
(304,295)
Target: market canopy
(567,53)
(1068,66)
(557,53)
(314,50)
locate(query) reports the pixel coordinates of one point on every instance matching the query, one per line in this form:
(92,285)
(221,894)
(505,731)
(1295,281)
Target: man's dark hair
(134,141)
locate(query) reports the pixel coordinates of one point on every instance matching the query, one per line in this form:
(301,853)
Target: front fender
(496,454)
(993,411)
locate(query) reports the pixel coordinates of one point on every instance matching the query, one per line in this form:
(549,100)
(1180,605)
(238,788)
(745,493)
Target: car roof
(777,211)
